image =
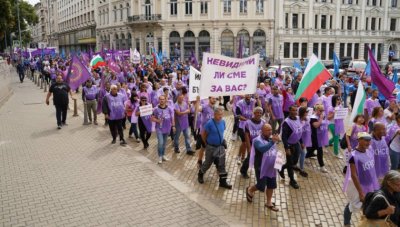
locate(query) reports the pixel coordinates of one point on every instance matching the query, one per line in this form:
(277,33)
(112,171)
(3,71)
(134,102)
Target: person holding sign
(182,110)
(262,158)
(164,118)
(144,121)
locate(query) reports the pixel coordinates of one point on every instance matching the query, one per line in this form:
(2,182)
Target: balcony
(144,18)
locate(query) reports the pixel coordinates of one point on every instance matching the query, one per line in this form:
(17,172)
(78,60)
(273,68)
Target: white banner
(228,76)
(135,56)
(341,113)
(194,84)
(145,110)
(280,160)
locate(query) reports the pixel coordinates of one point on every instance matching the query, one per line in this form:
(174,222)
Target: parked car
(284,68)
(345,62)
(357,66)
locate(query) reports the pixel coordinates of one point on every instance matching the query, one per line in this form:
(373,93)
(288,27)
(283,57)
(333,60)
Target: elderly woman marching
(262,157)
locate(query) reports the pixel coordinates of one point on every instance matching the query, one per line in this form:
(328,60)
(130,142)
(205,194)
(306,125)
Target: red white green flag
(314,76)
(97,61)
(359,102)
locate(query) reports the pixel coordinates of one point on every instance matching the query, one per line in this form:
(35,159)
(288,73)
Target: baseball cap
(364,135)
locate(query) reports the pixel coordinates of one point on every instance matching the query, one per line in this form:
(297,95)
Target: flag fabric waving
(336,63)
(385,86)
(314,76)
(359,102)
(395,77)
(97,61)
(77,73)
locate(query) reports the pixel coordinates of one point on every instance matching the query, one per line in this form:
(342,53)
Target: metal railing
(144,17)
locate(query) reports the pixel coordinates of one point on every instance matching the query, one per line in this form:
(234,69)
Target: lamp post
(19,25)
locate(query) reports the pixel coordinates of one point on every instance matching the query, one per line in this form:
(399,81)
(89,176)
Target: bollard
(85,114)
(75,108)
(34,79)
(45,86)
(38,82)
(41,84)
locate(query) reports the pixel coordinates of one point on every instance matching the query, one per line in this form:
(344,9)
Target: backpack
(369,197)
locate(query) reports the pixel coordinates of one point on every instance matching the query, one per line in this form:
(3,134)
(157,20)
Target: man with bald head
(262,157)
(380,149)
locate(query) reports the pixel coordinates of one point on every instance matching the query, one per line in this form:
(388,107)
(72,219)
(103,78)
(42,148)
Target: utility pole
(19,26)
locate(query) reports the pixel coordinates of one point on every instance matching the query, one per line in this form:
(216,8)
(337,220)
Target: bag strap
(217,131)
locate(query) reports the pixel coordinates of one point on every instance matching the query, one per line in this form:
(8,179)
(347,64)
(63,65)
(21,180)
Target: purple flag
(193,60)
(385,86)
(77,74)
(241,46)
(113,66)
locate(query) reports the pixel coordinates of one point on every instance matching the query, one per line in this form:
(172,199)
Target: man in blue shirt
(213,137)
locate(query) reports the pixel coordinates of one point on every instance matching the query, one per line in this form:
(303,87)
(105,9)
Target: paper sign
(135,56)
(146,110)
(222,76)
(194,84)
(280,160)
(341,113)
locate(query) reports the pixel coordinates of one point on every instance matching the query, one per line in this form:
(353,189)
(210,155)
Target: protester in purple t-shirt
(182,110)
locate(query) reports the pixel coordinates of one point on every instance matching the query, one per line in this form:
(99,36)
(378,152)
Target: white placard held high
(146,110)
(194,84)
(341,113)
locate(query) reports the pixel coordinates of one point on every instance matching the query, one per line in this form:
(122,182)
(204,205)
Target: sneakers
(137,140)
(59,127)
(238,160)
(294,184)
(164,158)
(177,150)
(339,156)
(200,177)
(160,160)
(303,173)
(113,141)
(323,169)
(123,142)
(234,137)
(190,152)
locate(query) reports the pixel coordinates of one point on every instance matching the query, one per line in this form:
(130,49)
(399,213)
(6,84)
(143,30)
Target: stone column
(235,46)
(182,49)
(196,46)
(251,45)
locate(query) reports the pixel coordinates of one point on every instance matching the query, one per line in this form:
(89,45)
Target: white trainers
(165,158)
(160,160)
(234,137)
(323,169)
(238,160)
(339,156)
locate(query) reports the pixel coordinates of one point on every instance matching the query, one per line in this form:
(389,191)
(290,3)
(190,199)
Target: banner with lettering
(223,75)
(194,84)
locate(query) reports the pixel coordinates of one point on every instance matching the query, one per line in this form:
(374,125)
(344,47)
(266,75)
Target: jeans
(21,76)
(162,143)
(394,159)
(347,215)
(344,98)
(185,134)
(61,114)
(334,139)
(302,158)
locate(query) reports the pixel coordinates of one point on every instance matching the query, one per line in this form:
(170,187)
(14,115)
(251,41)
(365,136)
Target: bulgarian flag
(358,107)
(314,76)
(97,61)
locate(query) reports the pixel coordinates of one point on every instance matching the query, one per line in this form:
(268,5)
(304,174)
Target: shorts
(241,134)
(269,182)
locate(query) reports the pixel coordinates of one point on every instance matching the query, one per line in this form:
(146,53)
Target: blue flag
(368,69)
(395,78)
(297,65)
(336,63)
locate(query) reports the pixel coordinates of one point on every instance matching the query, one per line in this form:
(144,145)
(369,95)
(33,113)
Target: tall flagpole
(19,26)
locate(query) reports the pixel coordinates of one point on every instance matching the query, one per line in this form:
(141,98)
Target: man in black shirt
(60,92)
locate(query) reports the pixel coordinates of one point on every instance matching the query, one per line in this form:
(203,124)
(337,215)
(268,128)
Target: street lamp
(19,26)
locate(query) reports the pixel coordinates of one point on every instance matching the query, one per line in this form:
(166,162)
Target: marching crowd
(370,146)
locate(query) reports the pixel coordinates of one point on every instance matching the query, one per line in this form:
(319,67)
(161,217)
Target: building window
(122,12)
(303,19)
(246,43)
(315,48)
(341,50)
(304,50)
(373,23)
(323,21)
(349,22)
(204,43)
(128,12)
(367,24)
(393,3)
(342,27)
(295,19)
(138,45)
(349,49)
(316,22)
(286,20)
(174,43)
(259,42)
(380,50)
(330,21)
(393,24)
(174,7)
(366,51)
(188,7)
(331,50)
(356,50)
(115,14)
(227,6)
(379,24)
(203,7)
(286,50)
(243,6)
(356,24)
(323,51)
(259,6)
(295,52)
(227,41)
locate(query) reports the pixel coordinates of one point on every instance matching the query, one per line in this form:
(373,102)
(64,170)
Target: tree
(9,20)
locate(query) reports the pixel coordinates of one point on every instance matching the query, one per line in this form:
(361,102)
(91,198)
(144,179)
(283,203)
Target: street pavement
(75,177)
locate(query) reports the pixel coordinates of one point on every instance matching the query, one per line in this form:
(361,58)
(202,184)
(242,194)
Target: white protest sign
(341,113)
(146,110)
(194,84)
(228,76)
(280,160)
(135,56)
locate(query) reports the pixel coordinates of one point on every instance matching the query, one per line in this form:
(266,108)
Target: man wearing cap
(114,111)
(360,172)
(89,97)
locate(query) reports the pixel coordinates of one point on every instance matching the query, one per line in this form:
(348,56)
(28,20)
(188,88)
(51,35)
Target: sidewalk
(75,177)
